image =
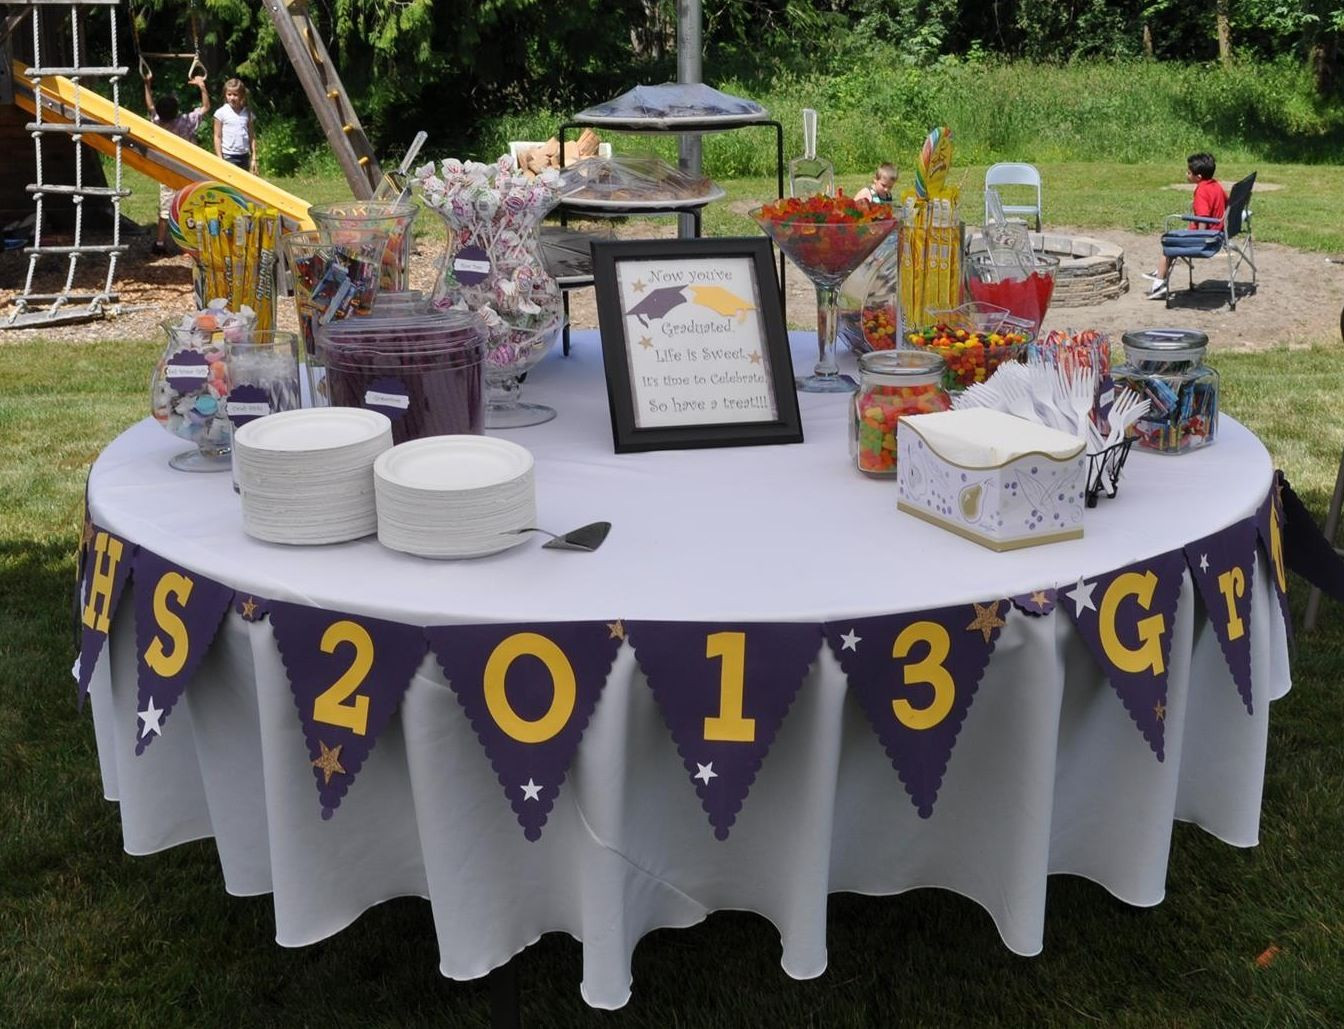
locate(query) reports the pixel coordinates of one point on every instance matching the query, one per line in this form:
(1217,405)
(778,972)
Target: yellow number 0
(1233,585)
(563,684)
(929,670)
(330,705)
(729,726)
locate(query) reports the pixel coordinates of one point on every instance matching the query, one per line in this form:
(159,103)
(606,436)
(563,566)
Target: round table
(1048,775)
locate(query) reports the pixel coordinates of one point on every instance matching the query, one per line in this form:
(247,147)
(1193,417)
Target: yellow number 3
(928,670)
(330,705)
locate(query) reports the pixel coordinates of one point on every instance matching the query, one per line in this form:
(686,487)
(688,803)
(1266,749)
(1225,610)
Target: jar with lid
(1166,367)
(892,384)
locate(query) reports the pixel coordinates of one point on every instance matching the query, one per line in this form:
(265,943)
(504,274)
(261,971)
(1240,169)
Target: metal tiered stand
(566,251)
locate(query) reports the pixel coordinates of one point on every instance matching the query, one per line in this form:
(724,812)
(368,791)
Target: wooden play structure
(68,120)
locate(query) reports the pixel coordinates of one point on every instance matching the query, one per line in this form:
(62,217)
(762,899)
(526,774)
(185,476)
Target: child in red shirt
(1210,202)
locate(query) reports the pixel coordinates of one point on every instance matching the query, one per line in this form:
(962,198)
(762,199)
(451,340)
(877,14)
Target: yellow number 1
(1233,585)
(330,705)
(729,726)
(928,670)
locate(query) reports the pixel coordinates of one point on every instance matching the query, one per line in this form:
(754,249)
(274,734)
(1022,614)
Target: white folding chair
(1009,174)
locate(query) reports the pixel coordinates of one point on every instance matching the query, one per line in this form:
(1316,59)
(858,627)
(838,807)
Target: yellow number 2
(1232,583)
(728,726)
(330,705)
(928,670)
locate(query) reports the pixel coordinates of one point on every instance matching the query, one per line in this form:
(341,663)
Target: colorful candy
(191,382)
(826,235)
(878,410)
(970,356)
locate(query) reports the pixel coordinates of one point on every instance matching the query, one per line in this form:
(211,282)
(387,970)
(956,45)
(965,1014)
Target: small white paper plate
(311,429)
(451,463)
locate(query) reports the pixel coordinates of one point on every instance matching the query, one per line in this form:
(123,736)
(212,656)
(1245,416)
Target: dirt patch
(1298,298)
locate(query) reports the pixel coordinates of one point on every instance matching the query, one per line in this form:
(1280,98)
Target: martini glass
(826,252)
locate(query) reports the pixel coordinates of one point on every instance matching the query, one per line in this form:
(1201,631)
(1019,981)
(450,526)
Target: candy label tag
(471,265)
(388,396)
(186,370)
(247,403)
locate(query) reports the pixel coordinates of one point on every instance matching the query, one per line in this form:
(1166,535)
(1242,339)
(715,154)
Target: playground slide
(150,149)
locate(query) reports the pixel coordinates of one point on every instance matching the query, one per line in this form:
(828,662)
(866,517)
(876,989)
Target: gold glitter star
(617,630)
(755,357)
(329,762)
(249,609)
(646,342)
(637,285)
(1160,710)
(986,619)
(1040,599)
(86,539)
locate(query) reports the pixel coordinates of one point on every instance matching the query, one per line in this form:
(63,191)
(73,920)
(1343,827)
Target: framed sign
(694,344)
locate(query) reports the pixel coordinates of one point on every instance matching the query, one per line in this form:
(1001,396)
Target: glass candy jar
(1166,367)
(494,268)
(870,300)
(892,384)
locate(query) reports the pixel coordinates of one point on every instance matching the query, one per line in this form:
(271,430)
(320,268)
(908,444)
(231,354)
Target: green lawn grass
(92,937)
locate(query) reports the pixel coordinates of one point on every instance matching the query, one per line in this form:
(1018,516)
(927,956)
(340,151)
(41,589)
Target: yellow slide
(150,149)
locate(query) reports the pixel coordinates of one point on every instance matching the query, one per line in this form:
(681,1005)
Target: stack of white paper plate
(307,476)
(454,496)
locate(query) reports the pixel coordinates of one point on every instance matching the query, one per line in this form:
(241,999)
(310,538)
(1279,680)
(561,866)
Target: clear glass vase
(493,266)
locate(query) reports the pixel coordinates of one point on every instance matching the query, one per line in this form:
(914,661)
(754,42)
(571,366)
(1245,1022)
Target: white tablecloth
(1049,774)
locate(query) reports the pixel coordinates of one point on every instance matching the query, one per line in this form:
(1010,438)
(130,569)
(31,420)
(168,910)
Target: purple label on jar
(247,403)
(387,396)
(187,371)
(471,265)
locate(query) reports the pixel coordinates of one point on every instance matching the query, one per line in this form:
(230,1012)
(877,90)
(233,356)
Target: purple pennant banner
(348,674)
(1125,617)
(528,690)
(724,690)
(915,676)
(1223,567)
(1035,603)
(107,563)
(1269,526)
(177,614)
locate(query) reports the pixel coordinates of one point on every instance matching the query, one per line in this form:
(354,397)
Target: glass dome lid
(673,103)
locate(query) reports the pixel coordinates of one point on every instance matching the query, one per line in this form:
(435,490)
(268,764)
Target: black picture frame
(628,435)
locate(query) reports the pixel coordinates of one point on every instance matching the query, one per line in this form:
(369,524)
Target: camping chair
(1188,245)
(1015,175)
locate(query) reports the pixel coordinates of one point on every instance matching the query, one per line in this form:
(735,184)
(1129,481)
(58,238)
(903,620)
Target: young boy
(164,112)
(879,190)
(235,130)
(1210,202)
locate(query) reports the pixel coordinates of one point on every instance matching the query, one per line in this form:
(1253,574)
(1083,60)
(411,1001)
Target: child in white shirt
(235,132)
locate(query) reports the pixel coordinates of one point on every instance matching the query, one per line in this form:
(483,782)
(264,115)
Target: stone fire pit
(1090,270)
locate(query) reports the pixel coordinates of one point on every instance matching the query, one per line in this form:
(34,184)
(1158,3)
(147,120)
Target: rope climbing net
(68,119)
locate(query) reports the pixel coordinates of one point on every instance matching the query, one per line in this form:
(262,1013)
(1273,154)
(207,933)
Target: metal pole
(690,42)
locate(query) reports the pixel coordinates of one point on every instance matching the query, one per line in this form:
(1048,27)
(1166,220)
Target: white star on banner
(531,791)
(706,772)
(150,716)
(1081,595)
(1203,562)
(850,641)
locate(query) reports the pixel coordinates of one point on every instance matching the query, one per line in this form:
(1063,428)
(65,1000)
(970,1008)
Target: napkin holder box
(1025,501)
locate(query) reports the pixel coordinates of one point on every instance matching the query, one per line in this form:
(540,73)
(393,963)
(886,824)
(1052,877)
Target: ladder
(66,305)
(308,54)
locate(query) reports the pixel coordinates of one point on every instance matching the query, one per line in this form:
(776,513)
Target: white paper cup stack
(306,477)
(454,496)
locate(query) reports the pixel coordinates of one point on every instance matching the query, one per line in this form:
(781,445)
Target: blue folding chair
(1230,235)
